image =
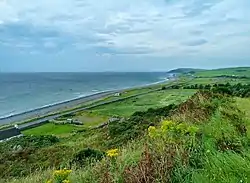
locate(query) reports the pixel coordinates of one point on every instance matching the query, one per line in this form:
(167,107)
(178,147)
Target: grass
(213,80)
(148,160)
(89,120)
(52,129)
(142,103)
(244,105)
(218,152)
(243,71)
(143,159)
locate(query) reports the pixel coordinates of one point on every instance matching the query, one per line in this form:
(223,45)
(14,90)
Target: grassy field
(241,71)
(52,129)
(144,102)
(125,108)
(89,120)
(208,80)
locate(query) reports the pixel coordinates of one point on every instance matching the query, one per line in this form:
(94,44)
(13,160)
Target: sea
(21,92)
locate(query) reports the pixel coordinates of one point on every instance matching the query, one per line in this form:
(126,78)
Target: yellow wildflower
(182,127)
(61,175)
(49,181)
(152,131)
(66,181)
(166,125)
(112,153)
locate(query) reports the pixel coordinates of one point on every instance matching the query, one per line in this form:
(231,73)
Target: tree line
(239,90)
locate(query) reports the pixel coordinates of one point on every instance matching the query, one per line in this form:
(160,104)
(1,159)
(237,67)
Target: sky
(123,35)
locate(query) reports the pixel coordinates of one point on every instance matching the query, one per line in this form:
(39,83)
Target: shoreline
(64,105)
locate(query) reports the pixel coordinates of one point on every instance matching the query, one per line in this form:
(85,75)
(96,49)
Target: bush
(25,142)
(164,88)
(135,125)
(166,146)
(86,155)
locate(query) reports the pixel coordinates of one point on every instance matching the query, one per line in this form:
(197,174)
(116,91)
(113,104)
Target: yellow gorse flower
(49,181)
(169,129)
(152,131)
(112,153)
(61,175)
(66,181)
(62,172)
(166,125)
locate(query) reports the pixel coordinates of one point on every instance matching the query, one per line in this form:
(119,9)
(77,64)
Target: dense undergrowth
(237,90)
(204,139)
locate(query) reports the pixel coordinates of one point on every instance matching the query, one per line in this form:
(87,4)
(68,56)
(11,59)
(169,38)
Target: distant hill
(234,71)
(184,70)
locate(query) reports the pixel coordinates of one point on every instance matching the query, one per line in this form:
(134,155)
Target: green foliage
(60,176)
(122,131)
(28,142)
(85,156)
(229,144)
(238,90)
(18,156)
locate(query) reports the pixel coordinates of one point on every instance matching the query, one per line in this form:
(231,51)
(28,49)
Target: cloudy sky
(123,35)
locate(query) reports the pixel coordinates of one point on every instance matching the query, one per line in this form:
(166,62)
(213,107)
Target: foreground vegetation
(185,134)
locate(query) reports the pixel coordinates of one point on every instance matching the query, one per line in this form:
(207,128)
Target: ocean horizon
(22,92)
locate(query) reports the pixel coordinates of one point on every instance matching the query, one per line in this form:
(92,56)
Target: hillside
(194,129)
(184,71)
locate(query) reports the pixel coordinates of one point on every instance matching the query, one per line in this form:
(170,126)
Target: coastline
(50,109)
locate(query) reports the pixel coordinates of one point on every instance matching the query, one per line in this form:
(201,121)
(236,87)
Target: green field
(241,71)
(88,120)
(144,102)
(52,129)
(99,115)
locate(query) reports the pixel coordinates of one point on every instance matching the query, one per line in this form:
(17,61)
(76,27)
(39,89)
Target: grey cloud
(196,32)
(197,42)
(122,51)
(197,7)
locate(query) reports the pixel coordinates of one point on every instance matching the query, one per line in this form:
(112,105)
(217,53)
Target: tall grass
(213,148)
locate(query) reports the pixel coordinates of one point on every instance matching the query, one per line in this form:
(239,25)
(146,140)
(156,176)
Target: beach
(36,113)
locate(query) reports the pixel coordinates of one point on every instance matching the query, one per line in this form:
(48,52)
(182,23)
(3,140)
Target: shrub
(28,142)
(21,156)
(136,125)
(168,149)
(86,155)
(229,144)
(60,176)
(164,88)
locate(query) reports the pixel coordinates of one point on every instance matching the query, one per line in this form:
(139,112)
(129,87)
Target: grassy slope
(142,103)
(217,166)
(241,71)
